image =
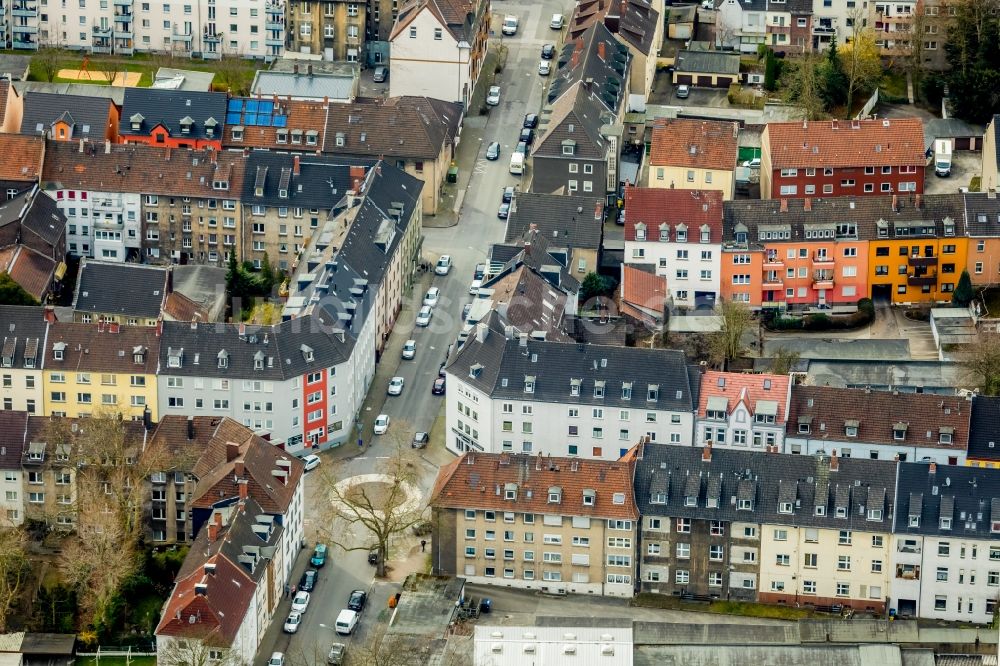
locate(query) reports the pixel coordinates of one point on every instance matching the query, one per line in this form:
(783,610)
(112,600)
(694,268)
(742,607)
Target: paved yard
(964,165)
(664,92)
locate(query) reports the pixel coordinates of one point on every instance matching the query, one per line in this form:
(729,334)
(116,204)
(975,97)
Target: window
(782,560)
(715,553)
(843,589)
(682,576)
(844,538)
(843,563)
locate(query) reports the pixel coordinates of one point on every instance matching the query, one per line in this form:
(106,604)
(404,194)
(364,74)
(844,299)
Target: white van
(346,622)
(517,163)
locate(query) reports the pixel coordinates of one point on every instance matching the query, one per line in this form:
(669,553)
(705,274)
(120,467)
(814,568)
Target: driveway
(665,93)
(964,166)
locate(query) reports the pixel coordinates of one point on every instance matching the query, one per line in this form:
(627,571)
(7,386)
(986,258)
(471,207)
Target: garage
(724,82)
(683,79)
(962,143)
(707,69)
(704,82)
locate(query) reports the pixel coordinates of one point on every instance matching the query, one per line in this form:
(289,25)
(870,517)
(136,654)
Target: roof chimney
(601,50)
(295,69)
(784,205)
(239,467)
(895,203)
(309,70)
(706,453)
(232,451)
(244,489)
(919,201)
(295,165)
(49,314)
(190,428)
(834,461)
(807,204)
(213,532)
(933,468)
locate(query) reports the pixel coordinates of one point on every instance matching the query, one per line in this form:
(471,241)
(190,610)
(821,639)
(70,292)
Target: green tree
(834,79)
(862,61)
(963,293)
(595,285)
(973,52)
(772,70)
(803,84)
(267,275)
(11,293)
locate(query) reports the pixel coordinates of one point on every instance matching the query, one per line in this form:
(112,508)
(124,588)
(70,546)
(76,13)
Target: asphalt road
(416,409)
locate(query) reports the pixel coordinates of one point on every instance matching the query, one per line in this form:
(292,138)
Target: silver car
(424,316)
(493,96)
(381,74)
(545,67)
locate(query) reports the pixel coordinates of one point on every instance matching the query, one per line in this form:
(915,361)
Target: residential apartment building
(946,543)
(991,157)
(438,47)
(881,425)
(982,227)
(778,30)
(332,28)
(984,432)
(694,155)
(833,20)
(101,368)
(127,294)
(894,24)
(165,205)
(69,117)
(22,358)
(726,524)
(568,525)
(173,118)
(509,393)
(678,232)
(573,222)
(742,410)
(842,158)
(13,433)
(276,124)
(741,25)
(937,16)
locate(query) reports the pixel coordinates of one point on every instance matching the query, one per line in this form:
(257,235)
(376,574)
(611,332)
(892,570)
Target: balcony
(124,50)
(100,49)
(211,55)
(824,30)
(212,38)
(913,549)
(181,37)
(270,24)
(822,260)
(921,280)
(270,41)
(124,33)
(275,8)
(772,285)
(24,45)
(29,11)
(773,261)
(822,284)
(99,31)
(923,262)
(123,3)
(908,571)
(779,29)
(25,30)
(124,18)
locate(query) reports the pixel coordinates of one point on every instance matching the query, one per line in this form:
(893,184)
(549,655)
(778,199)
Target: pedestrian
(286,589)
(293,590)
(423,545)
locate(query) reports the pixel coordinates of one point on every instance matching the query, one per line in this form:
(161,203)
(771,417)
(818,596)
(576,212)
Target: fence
(119,651)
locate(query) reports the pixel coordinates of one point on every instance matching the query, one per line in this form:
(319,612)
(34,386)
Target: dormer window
(139,354)
(626,390)
(220,184)
(841,512)
(312,136)
(223,359)
(745,505)
(820,510)
(58,350)
(658,498)
(706,233)
(237,133)
(210,126)
(569,147)
(258,361)
(555,495)
(340,139)
(682,233)
(690,500)
(475,370)
(947,435)
(174,357)
(874,514)
(281,136)
(529,383)
(784,507)
(946,523)
(851,428)
(307,353)
(574,387)
(899,431)
(296,136)
(652,393)
(136,122)
(186,123)
(805,423)
(282,193)
(640,232)
(510,491)
(599,389)
(914,521)
(589,497)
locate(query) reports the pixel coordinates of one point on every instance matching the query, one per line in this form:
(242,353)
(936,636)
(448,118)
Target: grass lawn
(116,661)
(725,607)
(991,297)
(975,183)
(894,84)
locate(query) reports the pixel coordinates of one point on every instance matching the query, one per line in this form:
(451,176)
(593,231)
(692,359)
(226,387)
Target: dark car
(438,387)
(357,600)
(480,272)
(548,51)
(381,74)
(493,151)
(504,211)
(420,440)
(508,195)
(373,557)
(528,135)
(308,582)
(531,121)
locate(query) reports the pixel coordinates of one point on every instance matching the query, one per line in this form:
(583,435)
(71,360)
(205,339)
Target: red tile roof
(833,143)
(302,115)
(471,482)
(698,144)
(22,157)
(656,206)
(102,348)
(746,388)
(213,616)
(642,291)
(30,269)
(181,308)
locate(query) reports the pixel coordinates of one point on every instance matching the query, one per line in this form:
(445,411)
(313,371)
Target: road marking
(382,457)
(362,458)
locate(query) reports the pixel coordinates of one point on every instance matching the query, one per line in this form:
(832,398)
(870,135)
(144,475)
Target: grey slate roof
(984,436)
(708,62)
(581,60)
(45,220)
(129,290)
(982,214)
(338,88)
(564,220)
(549,260)
(322,181)
(23,329)
(113,93)
(502,367)
(638,25)
(169,107)
(857,485)
(13,432)
(88,116)
(577,116)
(969,496)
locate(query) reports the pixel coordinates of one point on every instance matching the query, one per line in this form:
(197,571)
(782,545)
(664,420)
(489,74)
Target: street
(416,409)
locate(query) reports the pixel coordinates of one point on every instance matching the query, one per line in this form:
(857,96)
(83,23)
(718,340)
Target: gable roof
(184,440)
(31,270)
(23,332)
(526,301)
(967,498)
(642,294)
(179,307)
(637,26)
(757,392)
(144,169)
(578,117)
(457,16)
(599,62)
(402,127)
(125,289)
(833,143)
(22,157)
(547,259)
(876,414)
(154,106)
(668,474)
(688,210)
(573,220)
(700,144)
(6,89)
(98,348)
(984,438)
(709,62)
(307,118)
(481,481)
(88,117)
(307,181)
(43,219)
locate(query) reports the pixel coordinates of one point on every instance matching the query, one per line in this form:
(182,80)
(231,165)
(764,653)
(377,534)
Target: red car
(438,388)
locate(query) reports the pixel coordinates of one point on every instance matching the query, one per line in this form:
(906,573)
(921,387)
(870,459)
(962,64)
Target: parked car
(493,151)
(683,91)
(476,284)
(530,120)
(381,424)
(381,74)
(503,212)
(346,622)
(548,51)
(409,349)
(753,164)
(277,659)
(432,296)
(336,655)
(467,308)
(528,136)
(311,462)
(292,622)
(300,602)
(443,266)
(493,96)
(544,67)
(420,440)
(308,581)
(424,316)
(395,386)
(478,273)
(438,387)
(557,21)
(522,148)
(509,25)
(357,600)
(373,556)
(319,556)
(508,195)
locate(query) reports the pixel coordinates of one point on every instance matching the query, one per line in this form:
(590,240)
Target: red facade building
(842,158)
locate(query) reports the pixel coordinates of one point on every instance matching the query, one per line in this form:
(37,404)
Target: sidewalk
(275,639)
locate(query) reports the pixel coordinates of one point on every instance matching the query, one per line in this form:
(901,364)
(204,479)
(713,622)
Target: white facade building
(515,394)
(742,410)
(608,645)
(24,337)
(101,225)
(741,24)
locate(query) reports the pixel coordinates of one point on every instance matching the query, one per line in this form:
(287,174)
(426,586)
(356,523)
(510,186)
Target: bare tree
(783,360)
(109,68)
(195,651)
(803,85)
(727,344)
(15,570)
(367,513)
(232,72)
(983,363)
(861,58)
(46,63)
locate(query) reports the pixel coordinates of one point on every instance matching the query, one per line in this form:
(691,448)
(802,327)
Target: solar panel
(232,119)
(250,119)
(235,105)
(266,107)
(251,106)
(281,121)
(264,121)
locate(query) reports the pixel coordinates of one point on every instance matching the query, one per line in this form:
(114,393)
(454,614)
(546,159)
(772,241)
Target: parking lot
(964,166)
(665,92)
